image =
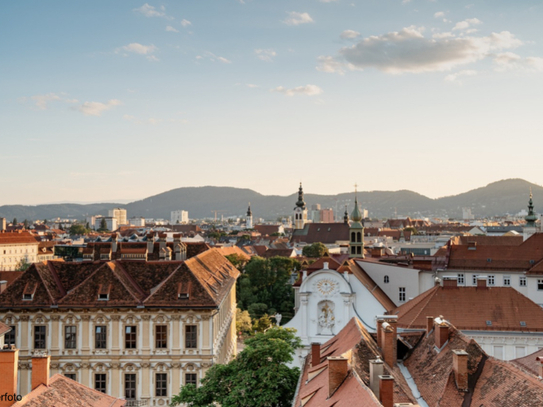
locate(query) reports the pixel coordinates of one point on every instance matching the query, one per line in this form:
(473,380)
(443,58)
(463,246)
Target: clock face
(326,286)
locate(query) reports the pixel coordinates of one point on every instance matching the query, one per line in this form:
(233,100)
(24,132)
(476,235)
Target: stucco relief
(327,319)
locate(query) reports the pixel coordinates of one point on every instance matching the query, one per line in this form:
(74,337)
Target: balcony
(137,403)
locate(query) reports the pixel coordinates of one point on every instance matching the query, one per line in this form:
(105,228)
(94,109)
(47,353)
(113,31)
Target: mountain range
(498,198)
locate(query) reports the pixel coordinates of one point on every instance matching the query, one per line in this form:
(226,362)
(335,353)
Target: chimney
(337,372)
(376,370)
(315,353)
(450,282)
(40,370)
(429,325)
(380,321)
(540,366)
(460,367)
(481,283)
(114,240)
(9,361)
(386,390)
(150,243)
(3,286)
(389,342)
(441,332)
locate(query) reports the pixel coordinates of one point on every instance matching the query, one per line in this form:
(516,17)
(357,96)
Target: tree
(243,321)
(45,221)
(263,323)
(26,224)
(258,377)
(316,249)
(237,260)
(14,222)
(23,264)
(103,225)
(412,229)
(78,229)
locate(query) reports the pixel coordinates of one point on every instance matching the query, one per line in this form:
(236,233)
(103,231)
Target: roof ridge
(129,277)
(56,278)
(428,298)
(45,285)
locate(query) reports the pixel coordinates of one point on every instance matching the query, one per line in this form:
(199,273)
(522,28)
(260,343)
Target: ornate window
(9,338)
(40,337)
(161,336)
(70,337)
(130,386)
(72,376)
(130,337)
(191,336)
(100,382)
(191,378)
(100,337)
(161,385)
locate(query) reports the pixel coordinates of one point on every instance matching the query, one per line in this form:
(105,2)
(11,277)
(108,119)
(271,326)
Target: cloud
(308,90)
(171,29)
(330,65)
(265,54)
(295,18)
(185,23)
(408,50)
(439,14)
(150,11)
(212,57)
(42,100)
(139,48)
(508,61)
(454,76)
(96,108)
(462,25)
(349,34)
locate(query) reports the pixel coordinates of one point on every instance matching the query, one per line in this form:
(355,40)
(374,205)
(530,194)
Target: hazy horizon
(130,99)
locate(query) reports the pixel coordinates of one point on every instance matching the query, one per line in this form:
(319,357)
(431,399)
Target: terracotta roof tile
(505,307)
(64,392)
(321,232)
(529,363)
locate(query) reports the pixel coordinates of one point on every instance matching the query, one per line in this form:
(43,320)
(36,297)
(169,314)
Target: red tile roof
(4,329)
(64,392)
(21,237)
(505,307)
(321,232)
(529,363)
(210,274)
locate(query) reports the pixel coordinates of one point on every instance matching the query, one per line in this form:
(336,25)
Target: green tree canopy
(103,226)
(243,321)
(23,264)
(78,229)
(316,249)
(258,377)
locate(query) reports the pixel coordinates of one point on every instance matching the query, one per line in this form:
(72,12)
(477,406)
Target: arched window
(387,280)
(358,250)
(359,237)
(353,250)
(353,237)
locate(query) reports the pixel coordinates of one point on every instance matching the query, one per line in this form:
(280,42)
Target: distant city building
(119,214)
(466,214)
(137,221)
(111,223)
(249,219)
(179,217)
(2,223)
(16,247)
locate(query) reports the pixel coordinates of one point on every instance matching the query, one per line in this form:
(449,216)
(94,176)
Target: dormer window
(103,292)
(29,291)
(183,291)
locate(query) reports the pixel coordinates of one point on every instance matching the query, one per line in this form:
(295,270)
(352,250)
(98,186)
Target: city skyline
(128,100)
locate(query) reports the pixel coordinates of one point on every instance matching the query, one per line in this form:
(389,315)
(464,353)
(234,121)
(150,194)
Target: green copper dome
(356,215)
(531,217)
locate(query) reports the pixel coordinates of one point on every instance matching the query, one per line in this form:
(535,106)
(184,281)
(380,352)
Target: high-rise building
(119,214)
(179,217)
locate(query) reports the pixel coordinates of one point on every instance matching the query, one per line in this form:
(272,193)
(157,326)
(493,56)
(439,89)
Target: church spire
(300,203)
(532,217)
(249,213)
(356,215)
(346,216)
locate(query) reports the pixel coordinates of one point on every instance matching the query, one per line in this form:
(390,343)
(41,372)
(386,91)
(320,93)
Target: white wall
(507,345)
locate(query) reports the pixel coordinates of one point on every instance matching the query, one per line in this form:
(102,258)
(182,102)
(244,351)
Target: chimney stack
(315,353)
(540,367)
(389,346)
(429,325)
(9,361)
(380,321)
(337,372)
(481,283)
(460,367)
(376,370)
(441,332)
(40,370)
(386,390)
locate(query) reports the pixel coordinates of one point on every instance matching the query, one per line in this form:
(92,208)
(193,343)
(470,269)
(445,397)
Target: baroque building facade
(133,329)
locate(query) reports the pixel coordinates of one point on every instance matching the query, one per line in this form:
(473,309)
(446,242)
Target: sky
(109,101)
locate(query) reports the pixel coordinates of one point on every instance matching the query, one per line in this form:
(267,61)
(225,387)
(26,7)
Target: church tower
(249,219)
(346,216)
(356,232)
(529,229)
(300,211)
